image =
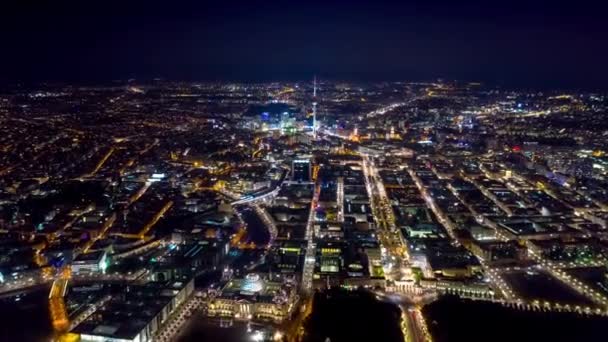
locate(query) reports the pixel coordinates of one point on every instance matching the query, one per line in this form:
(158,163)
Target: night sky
(516,43)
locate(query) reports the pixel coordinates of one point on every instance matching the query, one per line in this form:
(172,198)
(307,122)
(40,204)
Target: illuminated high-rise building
(301,170)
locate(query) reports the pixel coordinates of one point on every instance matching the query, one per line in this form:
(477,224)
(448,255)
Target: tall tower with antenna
(314,108)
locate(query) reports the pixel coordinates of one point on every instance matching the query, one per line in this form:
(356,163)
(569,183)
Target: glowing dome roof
(252,283)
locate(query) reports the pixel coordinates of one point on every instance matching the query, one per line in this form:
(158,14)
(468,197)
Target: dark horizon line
(504,85)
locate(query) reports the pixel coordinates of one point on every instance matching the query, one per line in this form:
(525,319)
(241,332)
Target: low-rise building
(269,298)
(135,314)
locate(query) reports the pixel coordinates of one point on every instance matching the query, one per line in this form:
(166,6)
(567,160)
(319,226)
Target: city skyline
(303,171)
(228,215)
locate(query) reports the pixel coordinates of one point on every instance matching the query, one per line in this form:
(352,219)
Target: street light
(257,336)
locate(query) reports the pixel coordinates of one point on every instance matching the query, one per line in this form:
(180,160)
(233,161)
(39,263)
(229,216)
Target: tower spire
(314,108)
